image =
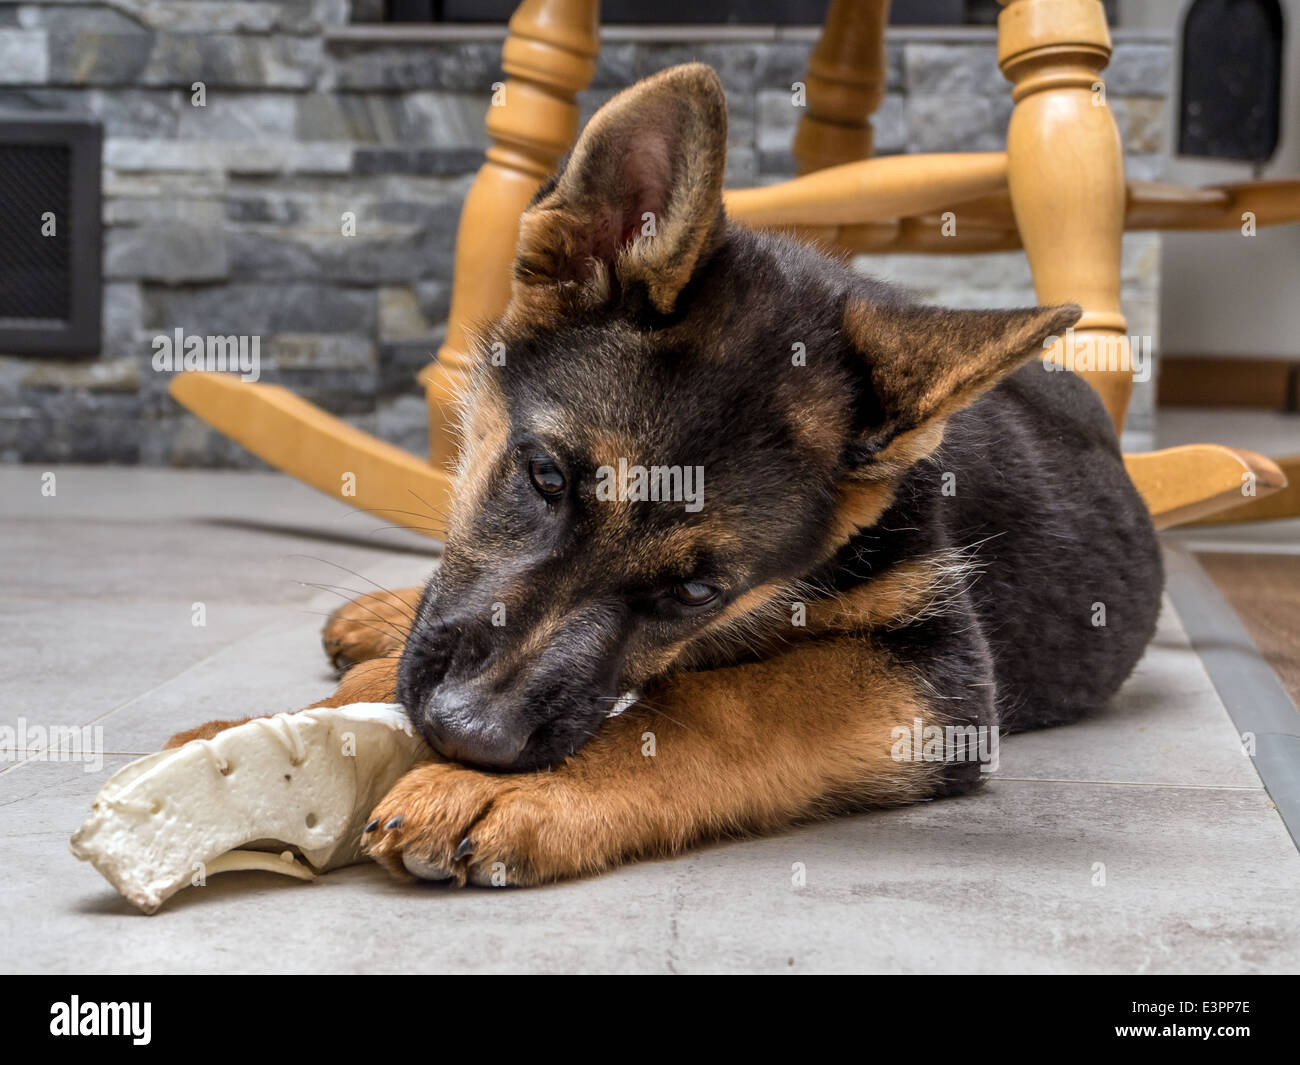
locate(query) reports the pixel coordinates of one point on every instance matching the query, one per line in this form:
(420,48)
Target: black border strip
(1254,697)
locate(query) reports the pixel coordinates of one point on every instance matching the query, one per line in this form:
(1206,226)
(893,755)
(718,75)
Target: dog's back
(1065,578)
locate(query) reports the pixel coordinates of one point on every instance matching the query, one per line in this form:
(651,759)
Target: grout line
(279,619)
(1250,690)
(1129,783)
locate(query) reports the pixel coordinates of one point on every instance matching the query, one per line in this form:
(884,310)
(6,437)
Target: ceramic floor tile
(1196,880)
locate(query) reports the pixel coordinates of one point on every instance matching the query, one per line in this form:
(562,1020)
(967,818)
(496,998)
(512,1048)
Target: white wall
(1222,293)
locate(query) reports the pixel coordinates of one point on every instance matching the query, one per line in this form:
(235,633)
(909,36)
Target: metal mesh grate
(35,269)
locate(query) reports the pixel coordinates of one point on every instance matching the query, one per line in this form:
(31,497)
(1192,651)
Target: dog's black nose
(459,727)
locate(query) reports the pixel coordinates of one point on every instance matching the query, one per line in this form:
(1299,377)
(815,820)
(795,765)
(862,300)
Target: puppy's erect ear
(925,363)
(641,195)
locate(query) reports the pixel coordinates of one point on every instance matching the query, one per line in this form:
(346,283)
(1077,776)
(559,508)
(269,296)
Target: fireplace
(50,289)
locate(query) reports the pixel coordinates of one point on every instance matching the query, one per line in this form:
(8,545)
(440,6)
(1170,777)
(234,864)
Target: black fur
(1043,510)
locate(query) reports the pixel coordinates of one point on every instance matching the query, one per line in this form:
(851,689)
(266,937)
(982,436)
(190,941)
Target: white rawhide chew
(306,781)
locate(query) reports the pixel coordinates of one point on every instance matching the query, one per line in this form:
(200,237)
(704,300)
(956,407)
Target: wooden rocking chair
(1058,191)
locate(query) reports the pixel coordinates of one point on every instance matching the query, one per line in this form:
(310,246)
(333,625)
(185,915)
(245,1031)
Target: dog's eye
(692,593)
(547,477)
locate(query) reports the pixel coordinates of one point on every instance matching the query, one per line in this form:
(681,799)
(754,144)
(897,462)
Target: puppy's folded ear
(925,363)
(640,199)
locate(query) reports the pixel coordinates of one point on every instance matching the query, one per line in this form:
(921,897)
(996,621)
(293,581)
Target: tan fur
(738,750)
(678,119)
(858,505)
(374,681)
(370,626)
(927,363)
(485,428)
(896,597)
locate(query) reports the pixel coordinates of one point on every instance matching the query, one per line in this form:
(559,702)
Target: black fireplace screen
(1232,80)
(50,294)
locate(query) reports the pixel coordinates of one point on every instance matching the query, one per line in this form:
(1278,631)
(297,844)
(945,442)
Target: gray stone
(434,298)
(99,58)
(735,65)
(122,316)
(126,153)
(453,120)
(130,153)
(248,118)
(83,17)
(592,100)
(1145,167)
(365,117)
(953,70)
(778,120)
(890,125)
(1140,267)
(236,16)
(341,392)
(957,123)
(400,315)
(280,210)
(170,252)
(779,64)
(146,185)
(1001,271)
(200,16)
(619,64)
(403,421)
(1142,122)
(375,255)
(1139,70)
(73,425)
(319,351)
(116,375)
(24,57)
(180,439)
(261,308)
(409,120)
(136,112)
(203,213)
(400,361)
(12,370)
(462,66)
(267,254)
(742,168)
(419,161)
(231,61)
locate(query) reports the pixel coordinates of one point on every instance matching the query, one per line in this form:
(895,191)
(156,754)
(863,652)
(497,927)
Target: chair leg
(1066,176)
(1198,483)
(549,56)
(845,84)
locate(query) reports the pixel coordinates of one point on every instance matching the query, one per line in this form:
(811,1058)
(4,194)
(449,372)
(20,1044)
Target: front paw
(442,821)
(371,626)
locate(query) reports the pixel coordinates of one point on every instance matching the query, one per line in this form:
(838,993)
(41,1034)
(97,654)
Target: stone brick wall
(226,219)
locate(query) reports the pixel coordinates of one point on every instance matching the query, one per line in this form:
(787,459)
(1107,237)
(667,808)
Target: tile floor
(100,583)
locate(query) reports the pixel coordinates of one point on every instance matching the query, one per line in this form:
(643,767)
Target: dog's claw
(372,825)
(465,849)
(394,822)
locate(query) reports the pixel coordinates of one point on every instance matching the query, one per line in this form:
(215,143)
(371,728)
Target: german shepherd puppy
(740,537)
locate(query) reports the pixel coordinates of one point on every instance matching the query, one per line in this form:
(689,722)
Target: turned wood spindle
(549,57)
